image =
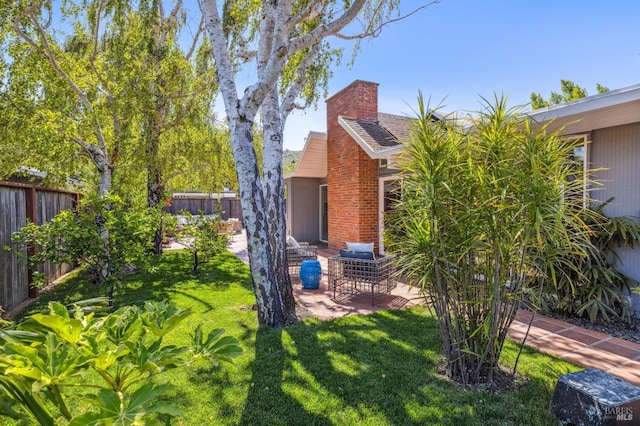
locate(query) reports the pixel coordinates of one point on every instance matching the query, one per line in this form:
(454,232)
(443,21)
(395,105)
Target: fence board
(231,208)
(14,286)
(48,204)
(14,199)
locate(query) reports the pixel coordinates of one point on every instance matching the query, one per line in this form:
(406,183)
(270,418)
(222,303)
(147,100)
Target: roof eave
(356,137)
(312,135)
(590,103)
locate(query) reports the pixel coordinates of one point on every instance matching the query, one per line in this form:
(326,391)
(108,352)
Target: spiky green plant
(591,286)
(477,207)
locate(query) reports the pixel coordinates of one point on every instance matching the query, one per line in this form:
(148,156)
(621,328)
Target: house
(609,125)
(345,178)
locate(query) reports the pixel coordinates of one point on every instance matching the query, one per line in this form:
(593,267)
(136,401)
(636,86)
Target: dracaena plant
(479,201)
(45,359)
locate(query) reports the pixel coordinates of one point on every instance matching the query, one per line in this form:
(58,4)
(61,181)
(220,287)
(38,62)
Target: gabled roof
(612,108)
(379,140)
(383,138)
(313,159)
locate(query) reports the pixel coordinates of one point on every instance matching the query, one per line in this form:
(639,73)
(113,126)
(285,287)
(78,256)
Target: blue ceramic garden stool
(310,274)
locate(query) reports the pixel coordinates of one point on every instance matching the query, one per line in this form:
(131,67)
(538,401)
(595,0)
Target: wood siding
(617,151)
(303,216)
(19,202)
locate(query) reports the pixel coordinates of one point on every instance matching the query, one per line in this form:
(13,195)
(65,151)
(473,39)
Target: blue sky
(459,50)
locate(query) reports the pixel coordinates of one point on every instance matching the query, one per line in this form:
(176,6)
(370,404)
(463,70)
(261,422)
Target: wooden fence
(19,202)
(230,207)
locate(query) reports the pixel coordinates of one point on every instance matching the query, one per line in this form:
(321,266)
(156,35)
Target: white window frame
(381,182)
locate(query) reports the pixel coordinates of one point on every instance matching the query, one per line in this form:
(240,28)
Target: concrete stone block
(593,397)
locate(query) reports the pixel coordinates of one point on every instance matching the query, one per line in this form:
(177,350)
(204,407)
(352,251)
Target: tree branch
(289,100)
(196,37)
(375,32)
(46,51)
(213,26)
(311,11)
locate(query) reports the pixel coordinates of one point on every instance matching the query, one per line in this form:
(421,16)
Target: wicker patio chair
(297,252)
(349,275)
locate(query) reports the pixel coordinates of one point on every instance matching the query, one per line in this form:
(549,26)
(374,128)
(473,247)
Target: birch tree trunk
(271,308)
(273,190)
(282,33)
(105,172)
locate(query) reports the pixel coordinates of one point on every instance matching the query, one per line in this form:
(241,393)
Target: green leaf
(162,317)
(215,347)
(140,409)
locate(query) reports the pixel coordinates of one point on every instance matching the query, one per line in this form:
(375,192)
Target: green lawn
(378,369)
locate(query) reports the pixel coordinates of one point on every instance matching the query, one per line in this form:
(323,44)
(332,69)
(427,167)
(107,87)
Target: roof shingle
(390,131)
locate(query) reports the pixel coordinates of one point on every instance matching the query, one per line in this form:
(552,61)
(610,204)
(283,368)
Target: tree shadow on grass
(170,275)
(166,275)
(333,373)
(372,369)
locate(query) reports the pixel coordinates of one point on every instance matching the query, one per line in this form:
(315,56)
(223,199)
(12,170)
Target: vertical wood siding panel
(617,150)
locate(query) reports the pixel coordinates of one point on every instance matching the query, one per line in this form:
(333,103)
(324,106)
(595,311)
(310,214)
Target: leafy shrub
(100,234)
(48,355)
(590,285)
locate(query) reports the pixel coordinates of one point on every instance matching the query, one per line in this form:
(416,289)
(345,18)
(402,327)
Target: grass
(378,369)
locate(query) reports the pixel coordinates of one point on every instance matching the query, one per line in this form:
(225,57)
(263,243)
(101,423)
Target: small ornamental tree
(478,205)
(46,357)
(203,236)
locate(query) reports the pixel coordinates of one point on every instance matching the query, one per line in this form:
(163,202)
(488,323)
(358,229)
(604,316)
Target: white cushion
(291,242)
(360,246)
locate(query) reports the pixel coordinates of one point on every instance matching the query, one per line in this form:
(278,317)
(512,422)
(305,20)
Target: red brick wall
(352,176)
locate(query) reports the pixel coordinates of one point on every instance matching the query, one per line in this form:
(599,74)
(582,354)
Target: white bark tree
(287,37)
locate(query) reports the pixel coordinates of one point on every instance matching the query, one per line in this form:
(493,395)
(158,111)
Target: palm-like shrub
(478,205)
(591,286)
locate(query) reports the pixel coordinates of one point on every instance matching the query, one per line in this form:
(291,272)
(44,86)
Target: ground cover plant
(380,369)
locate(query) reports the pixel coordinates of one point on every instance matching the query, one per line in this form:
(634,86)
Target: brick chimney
(352,176)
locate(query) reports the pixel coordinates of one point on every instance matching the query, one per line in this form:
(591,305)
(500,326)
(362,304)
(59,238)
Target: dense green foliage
(290,160)
(379,369)
(569,91)
(591,286)
(477,205)
(75,237)
(45,358)
(124,91)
